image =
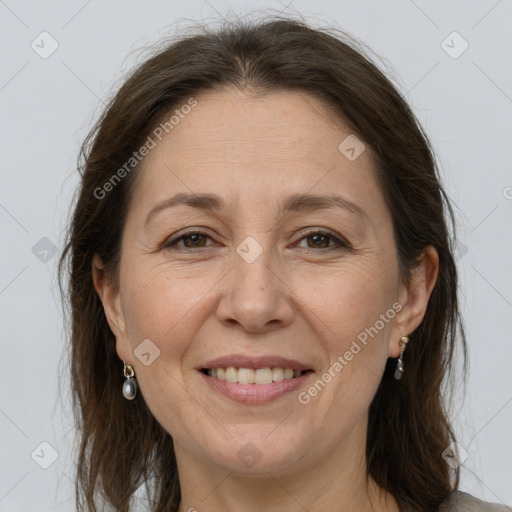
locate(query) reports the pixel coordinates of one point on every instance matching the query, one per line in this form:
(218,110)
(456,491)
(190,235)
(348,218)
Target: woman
(262,285)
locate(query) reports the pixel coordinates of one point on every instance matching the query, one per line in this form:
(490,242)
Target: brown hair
(122,445)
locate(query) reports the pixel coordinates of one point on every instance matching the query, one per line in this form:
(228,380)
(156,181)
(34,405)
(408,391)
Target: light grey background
(47,106)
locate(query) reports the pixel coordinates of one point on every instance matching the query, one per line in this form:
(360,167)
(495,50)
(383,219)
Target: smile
(254,386)
(253,376)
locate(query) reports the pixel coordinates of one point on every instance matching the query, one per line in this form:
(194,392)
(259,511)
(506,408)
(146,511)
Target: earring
(130,384)
(400,363)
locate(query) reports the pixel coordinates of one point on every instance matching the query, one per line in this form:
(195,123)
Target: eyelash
(342,243)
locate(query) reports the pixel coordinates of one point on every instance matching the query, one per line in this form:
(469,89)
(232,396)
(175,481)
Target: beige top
(463,502)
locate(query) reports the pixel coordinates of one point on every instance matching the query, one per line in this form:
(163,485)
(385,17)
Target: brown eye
(319,241)
(191,240)
(195,240)
(322,240)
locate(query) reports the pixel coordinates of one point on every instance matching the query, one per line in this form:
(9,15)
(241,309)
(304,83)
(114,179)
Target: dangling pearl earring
(400,363)
(130,384)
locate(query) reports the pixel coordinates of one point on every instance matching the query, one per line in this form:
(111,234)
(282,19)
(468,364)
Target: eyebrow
(293,203)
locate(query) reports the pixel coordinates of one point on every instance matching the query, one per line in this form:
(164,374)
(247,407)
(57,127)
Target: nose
(255,296)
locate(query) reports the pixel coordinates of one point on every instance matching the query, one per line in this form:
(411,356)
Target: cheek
(164,307)
(348,299)
(351,312)
(158,302)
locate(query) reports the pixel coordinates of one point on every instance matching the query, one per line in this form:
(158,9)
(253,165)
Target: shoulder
(462,502)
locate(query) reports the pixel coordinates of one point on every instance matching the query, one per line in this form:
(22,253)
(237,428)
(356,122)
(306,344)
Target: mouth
(254,386)
(266,375)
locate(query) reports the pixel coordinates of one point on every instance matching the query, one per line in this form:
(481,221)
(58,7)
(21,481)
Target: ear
(414,297)
(109,294)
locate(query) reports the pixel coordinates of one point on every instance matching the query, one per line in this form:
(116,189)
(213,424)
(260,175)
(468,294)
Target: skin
(303,297)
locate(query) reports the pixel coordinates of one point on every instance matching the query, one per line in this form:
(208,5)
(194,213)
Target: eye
(321,240)
(318,239)
(191,240)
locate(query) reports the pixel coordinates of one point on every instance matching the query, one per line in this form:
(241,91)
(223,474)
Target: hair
(122,446)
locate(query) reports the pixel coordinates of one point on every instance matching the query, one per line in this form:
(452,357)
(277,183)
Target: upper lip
(245,361)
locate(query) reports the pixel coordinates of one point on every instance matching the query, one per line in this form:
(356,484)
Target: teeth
(246,376)
(277,374)
(231,374)
(261,375)
(250,376)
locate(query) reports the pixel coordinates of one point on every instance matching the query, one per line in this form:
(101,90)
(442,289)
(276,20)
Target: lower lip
(255,393)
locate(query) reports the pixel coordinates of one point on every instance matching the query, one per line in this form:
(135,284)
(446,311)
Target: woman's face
(280,270)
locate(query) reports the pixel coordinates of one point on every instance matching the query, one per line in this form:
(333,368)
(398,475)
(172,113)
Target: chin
(252,453)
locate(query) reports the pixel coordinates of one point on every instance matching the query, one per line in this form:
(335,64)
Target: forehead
(280,124)
(234,143)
